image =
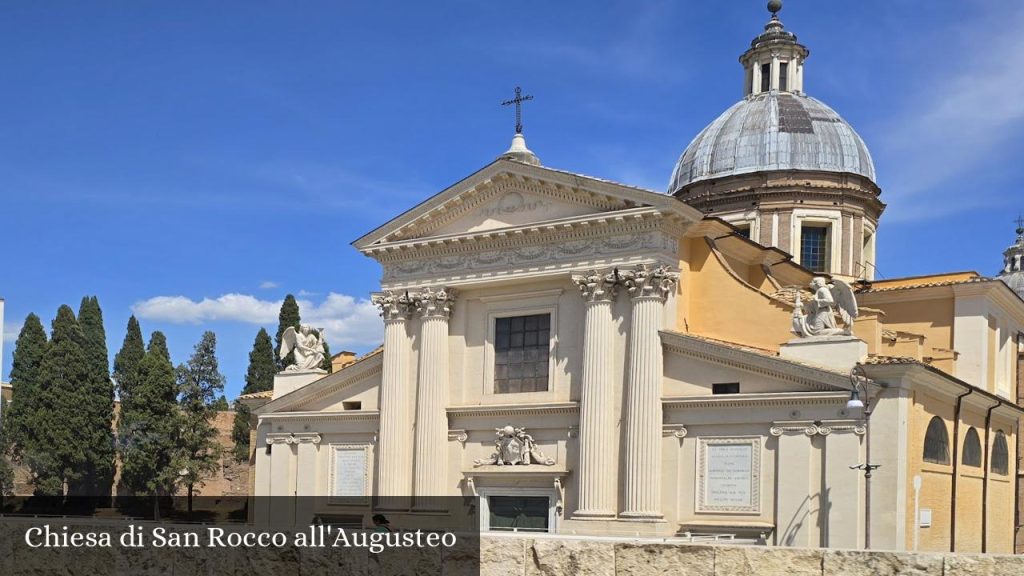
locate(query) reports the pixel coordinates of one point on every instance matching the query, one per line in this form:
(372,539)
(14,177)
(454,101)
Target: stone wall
(502,556)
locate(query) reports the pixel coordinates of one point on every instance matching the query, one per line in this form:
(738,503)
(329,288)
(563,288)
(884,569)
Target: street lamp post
(859,382)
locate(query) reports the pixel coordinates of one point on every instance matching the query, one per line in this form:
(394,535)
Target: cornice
(576,227)
(757,363)
(324,387)
(457,199)
(515,409)
(348,416)
(768,400)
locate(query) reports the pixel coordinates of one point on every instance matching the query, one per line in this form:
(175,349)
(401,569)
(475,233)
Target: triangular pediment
(510,194)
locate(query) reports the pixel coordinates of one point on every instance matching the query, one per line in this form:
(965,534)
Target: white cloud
(11,331)
(348,321)
(966,111)
(268,285)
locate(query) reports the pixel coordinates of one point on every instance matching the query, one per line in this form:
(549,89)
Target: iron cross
(518,101)
(1020,222)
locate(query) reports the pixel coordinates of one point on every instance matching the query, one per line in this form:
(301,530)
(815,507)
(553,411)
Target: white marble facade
(621,405)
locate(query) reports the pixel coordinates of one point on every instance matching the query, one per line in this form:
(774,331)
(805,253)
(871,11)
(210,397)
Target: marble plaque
(730,475)
(349,472)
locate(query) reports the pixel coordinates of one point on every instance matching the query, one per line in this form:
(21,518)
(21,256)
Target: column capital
(650,282)
(434,303)
(596,286)
(392,306)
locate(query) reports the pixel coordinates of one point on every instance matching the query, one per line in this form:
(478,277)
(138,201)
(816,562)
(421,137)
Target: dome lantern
(775,60)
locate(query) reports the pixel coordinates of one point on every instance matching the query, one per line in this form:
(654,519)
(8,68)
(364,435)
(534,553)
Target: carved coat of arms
(514,446)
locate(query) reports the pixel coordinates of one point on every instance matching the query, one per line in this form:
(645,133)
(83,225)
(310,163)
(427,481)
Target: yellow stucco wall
(931,318)
(723,306)
(937,481)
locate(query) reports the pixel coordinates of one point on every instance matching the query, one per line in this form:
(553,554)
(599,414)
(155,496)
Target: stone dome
(773,130)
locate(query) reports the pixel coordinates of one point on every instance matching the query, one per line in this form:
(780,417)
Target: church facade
(588,357)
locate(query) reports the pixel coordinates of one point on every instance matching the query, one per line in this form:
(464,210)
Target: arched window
(936,442)
(1000,455)
(972,449)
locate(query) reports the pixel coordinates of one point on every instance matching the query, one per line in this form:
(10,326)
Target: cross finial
(518,101)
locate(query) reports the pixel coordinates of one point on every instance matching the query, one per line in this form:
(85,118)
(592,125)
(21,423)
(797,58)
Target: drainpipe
(956,468)
(984,482)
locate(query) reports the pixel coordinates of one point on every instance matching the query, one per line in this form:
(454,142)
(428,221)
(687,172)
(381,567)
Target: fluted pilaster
(598,469)
(431,438)
(648,288)
(393,453)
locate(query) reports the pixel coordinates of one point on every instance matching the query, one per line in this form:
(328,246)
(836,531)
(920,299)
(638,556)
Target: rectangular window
(352,405)
(518,513)
(744,230)
(784,76)
(766,77)
(522,347)
(814,248)
(726,388)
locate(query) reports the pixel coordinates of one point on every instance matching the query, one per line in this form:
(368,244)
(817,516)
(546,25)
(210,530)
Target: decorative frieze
(565,251)
(817,428)
(293,438)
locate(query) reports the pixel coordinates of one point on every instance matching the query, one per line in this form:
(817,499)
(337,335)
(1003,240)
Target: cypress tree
(98,406)
(150,424)
(258,378)
(126,362)
(199,385)
(62,420)
(19,421)
(6,468)
(326,364)
(289,316)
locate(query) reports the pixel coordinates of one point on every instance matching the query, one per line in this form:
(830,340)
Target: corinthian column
(393,446)
(648,288)
(598,467)
(434,308)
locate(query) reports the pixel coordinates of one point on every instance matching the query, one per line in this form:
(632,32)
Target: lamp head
(854,402)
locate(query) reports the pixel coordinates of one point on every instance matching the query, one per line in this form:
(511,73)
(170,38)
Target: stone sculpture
(514,447)
(308,345)
(817,317)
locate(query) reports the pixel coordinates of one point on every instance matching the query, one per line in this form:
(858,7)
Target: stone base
(285,382)
(834,352)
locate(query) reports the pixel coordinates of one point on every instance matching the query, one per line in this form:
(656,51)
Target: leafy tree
(19,421)
(199,384)
(289,316)
(258,378)
(62,455)
(97,407)
(221,404)
(150,424)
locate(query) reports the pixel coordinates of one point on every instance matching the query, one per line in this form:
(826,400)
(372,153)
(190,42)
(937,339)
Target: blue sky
(195,161)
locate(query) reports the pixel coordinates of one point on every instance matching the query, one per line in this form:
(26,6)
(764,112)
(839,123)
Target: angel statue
(817,317)
(308,345)
(515,446)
